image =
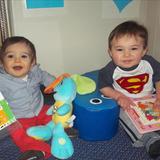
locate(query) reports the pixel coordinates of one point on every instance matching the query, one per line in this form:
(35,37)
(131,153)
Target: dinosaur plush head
(64,88)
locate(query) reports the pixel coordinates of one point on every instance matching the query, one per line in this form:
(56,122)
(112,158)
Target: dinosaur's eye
(61,82)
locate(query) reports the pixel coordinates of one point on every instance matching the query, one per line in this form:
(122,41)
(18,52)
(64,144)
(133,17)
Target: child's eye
(133,49)
(119,49)
(24,56)
(10,56)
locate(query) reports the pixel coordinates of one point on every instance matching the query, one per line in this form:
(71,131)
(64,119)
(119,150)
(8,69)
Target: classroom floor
(118,148)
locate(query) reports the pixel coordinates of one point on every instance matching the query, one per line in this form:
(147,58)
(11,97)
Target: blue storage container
(96,115)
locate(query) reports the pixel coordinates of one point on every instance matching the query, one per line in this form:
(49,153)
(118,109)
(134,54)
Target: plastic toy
(65,88)
(61,145)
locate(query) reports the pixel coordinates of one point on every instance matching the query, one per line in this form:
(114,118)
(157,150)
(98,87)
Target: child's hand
(125,102)
(157,105)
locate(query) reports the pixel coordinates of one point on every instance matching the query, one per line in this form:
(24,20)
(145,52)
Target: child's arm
(121,99)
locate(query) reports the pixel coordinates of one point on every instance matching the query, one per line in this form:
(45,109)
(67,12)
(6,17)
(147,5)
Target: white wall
(74,38)
(153,23)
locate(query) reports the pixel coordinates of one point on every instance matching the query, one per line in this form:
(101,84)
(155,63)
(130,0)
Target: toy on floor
(65,88)
(65,91)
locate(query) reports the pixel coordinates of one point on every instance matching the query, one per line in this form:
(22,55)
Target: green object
(84,84)
(7,109)
(6,116)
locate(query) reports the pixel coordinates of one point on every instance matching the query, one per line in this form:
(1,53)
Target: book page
(146,111)
(144,116)
(8,122)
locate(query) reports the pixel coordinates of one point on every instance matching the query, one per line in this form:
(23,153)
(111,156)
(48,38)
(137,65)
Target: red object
(133,84)
(149,117)
(23,141)
(58,80)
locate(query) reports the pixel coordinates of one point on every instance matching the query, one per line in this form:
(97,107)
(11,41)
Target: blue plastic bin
(96,115)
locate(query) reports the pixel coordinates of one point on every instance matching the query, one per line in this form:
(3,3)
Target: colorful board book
(6,116)
(144,115)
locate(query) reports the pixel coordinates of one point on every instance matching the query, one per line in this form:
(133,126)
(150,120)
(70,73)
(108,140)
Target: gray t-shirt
(25,97)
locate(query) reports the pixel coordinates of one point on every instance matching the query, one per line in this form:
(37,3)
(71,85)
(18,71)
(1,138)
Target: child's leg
(150,140)
(24,142)
(130,129)
(42,117)
(152,143)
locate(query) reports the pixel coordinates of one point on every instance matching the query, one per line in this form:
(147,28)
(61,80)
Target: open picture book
(6,115)
(144,115)
(8,122)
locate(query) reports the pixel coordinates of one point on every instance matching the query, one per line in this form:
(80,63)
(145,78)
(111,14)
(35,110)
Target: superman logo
(133,84)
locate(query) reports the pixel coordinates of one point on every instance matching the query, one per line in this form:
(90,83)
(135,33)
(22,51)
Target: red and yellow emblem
(133,84)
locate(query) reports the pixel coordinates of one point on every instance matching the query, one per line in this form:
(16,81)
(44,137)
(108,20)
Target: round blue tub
(96,115)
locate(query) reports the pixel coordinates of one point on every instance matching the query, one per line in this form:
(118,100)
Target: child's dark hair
(17,39)
(131,28)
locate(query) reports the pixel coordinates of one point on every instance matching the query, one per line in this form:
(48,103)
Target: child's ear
(145,51)
(110,53)
(33,62)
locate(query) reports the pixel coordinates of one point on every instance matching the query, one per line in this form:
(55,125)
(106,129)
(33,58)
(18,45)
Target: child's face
(18,60)
(127,51)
